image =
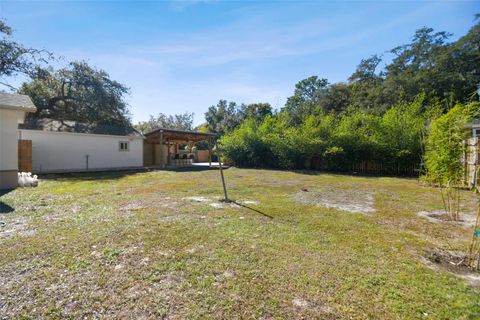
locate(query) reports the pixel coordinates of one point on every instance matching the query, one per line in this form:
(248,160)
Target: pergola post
(209,151)
(168,152)
(162,163)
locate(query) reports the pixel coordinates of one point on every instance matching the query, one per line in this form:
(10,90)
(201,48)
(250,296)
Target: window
(124,146)
(476,133)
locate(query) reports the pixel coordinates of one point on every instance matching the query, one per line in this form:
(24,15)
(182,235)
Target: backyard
(293,245)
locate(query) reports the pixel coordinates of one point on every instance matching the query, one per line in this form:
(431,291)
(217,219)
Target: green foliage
(444,150)
(445,147)
(379,116)
(335,142)
(78,92)
(226,116)
(257,111)
(15,58)
(305,99)
(178,121)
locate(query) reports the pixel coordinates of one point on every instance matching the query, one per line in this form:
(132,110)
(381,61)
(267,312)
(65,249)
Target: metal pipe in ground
(221,172)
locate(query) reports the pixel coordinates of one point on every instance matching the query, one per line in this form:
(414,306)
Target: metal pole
(221,172)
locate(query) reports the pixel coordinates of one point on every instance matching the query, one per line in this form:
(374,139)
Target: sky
(184,56)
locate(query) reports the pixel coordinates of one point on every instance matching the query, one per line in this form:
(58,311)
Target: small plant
(444,151)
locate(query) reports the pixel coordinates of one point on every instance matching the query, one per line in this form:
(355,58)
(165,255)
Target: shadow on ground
(5,208)
(112,175)
(252,209)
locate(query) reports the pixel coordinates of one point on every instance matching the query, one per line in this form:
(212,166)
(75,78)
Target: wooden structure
(25,155)
(161,147)
(471,162)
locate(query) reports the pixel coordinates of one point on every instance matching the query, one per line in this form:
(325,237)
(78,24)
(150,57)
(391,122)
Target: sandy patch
(304,305)
(216,202)
(351,200)
(199,199)
(223,205)
(133,206)
(248,202)
(467,220)
(15,226)
(149,204)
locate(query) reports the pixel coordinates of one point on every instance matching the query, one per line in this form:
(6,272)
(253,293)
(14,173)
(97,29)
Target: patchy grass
(151,245)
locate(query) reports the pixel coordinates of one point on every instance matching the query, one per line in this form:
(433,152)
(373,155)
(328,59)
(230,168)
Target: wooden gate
(25,155)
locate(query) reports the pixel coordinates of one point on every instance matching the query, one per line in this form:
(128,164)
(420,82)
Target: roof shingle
(16,101)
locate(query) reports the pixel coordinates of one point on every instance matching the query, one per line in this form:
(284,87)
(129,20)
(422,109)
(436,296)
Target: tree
(305,97)
(224,117)
(177,121)
(444,150)
(335,98)
(78,92)
(15,58)
(366,70)
(257,111)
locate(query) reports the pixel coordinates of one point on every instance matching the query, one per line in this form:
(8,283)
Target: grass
(134,246)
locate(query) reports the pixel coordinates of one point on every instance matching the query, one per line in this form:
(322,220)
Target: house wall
(9,120)
(62,151)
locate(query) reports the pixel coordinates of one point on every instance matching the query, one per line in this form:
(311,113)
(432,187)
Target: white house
(475,127)
(66,146)
(12,112)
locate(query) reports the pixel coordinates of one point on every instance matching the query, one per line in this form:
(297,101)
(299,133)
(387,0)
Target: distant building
(474,126)
(13,108)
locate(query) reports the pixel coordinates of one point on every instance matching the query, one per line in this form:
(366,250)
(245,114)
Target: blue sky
(179,56)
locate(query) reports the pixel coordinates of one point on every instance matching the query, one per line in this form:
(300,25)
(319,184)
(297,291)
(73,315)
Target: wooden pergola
(155,140)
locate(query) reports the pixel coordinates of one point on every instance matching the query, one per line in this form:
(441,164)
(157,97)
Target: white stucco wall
(9,120)
(61,151)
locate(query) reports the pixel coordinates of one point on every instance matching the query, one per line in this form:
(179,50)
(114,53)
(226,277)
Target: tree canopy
(15,58)
(178,121)
(226,116)
(78,92)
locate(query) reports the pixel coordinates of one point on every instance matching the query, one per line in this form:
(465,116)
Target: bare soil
(351,200)
(467,219)
(454,261)
(13,226)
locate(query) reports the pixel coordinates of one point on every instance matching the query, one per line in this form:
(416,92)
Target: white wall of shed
(62,151)
(9,120)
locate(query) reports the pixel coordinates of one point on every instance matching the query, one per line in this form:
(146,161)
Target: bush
(332,143)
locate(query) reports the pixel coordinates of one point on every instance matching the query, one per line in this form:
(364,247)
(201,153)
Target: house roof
(475,123)
(46,124)
(16,102)
(180,131)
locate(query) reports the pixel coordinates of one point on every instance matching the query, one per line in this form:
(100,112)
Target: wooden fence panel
(371,167)
(202,155)
(25,155)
